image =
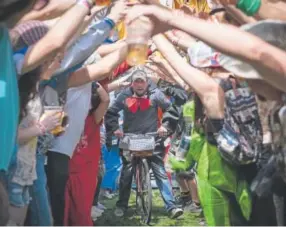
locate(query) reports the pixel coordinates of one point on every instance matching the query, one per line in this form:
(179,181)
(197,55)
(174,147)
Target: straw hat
(271,31)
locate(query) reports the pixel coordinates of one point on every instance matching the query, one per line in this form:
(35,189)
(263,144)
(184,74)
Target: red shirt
(88,149)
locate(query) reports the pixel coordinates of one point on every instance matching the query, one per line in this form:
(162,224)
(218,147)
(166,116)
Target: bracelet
(41,127)
(175,41)
(85,3)
(249,7)
(109,22)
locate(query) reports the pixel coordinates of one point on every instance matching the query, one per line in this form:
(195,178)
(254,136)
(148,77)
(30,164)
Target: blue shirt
(9,100)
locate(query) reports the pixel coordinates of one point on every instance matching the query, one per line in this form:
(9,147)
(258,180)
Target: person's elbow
(105,99)
(107,70)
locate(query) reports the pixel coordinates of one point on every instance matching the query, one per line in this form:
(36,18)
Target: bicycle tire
(144,191)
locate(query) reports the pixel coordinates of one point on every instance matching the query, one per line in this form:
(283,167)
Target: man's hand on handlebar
(118,133)
(162,131)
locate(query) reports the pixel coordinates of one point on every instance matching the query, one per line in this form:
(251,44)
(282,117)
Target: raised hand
(156,59)
(50,121)
(118,10)
(118,133)
(158,15)
(162,131)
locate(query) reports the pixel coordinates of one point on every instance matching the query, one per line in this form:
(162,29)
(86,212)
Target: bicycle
(142,146)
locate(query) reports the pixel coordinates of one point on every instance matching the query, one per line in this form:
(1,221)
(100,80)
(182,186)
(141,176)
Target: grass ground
(159,216)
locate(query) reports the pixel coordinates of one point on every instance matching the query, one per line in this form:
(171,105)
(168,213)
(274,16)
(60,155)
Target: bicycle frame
(143,188)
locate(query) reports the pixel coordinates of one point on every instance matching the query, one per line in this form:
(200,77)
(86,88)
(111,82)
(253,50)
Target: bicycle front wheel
(144,191)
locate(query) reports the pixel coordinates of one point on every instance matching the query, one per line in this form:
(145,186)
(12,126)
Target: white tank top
(77,107)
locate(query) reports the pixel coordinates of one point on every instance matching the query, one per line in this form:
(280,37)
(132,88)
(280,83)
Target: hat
(203,56)
(29,33)
(139,73)
(271,31)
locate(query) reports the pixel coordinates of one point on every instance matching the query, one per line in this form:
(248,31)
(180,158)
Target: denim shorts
(19,195)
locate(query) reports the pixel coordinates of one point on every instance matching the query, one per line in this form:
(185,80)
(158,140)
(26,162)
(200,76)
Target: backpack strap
(199,113)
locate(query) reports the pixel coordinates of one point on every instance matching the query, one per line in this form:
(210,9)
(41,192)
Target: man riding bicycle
(140,105)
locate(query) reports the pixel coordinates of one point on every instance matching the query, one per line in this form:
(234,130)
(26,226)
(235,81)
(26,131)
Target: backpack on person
(240,139)
(277,121)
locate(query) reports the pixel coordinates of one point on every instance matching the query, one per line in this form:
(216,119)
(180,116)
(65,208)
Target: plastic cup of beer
(103,2)
(138,34)
(57,110)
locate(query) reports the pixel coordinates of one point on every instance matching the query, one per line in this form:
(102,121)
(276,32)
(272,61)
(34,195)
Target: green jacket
(216,179)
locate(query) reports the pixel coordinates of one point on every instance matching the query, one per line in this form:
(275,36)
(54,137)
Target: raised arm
(112,116)
(181,39)
(170,112)
(103,105)
(118,84)
(208,90)
(53,9)
(239,16)
(56,38)
(99,70)
(268,9)
(104,50)
(227,39)
(92,39)
(171,72)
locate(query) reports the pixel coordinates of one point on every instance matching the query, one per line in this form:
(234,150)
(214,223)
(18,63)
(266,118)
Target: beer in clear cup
(137,53)
(57,110)
(138,34)
(102,2)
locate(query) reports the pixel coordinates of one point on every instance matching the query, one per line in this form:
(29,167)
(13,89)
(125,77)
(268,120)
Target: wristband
(249,7)
(85,3)
(109,22)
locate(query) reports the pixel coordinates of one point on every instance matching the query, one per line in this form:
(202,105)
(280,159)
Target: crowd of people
(212,86)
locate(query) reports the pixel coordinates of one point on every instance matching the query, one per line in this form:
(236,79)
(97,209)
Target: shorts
(187,175)
(19,195)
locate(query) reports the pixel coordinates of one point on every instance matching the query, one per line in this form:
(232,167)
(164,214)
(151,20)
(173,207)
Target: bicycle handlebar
(141,134)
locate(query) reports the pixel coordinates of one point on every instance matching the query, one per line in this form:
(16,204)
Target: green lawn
(159,216)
